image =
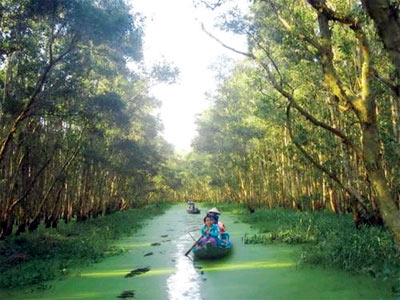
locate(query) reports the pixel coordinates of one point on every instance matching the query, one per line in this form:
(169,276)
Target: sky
(173,33)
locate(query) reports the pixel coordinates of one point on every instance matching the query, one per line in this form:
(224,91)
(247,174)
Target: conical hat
(214,210)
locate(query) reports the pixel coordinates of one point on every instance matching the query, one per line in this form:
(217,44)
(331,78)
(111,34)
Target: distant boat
(192,210)
(208,250)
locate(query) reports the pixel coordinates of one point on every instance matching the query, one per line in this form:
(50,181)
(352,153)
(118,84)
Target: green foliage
(164,72)
(329,240)
(244,151)
(89,128)
(47,254)
(226,207)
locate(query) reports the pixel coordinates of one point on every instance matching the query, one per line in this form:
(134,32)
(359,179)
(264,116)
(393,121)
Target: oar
(192,236)
(191,248)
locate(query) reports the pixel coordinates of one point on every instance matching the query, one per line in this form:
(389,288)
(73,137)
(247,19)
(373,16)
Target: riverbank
(326,239)
(155,267)
(46,254)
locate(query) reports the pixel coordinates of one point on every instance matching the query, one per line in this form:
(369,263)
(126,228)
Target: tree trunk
(372,160)
(387,24)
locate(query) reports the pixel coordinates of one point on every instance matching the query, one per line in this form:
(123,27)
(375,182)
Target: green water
(250,272)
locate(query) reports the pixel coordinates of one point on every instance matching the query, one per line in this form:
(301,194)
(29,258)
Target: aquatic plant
(33,258)
(329,240)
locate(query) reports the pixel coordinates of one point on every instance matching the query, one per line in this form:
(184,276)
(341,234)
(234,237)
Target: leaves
(76,120)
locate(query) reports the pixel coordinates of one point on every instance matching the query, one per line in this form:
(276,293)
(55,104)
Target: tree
(77,134)
(335,44)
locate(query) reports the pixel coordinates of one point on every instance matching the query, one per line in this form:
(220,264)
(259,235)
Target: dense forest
(308,120)
(78,137)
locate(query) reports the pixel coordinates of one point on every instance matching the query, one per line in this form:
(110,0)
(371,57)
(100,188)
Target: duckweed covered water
(250,272)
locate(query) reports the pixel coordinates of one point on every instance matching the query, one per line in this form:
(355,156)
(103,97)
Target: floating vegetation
(285,236)
(43,255)
(137,272)
(329,240)
(127,294)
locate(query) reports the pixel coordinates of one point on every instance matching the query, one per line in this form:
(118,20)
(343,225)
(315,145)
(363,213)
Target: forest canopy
(77,134)
(310,118)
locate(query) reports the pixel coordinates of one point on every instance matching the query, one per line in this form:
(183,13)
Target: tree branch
(289,97)
(321,7)
(38,88)
(349,190)
(250,55)
(288,27)
(394,88)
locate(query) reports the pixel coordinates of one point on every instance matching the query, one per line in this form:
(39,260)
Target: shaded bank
(157,250)
(34,258)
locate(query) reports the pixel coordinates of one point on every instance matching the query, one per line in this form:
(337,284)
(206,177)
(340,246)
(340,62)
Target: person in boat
(214,214)
(209,231)
(190,204)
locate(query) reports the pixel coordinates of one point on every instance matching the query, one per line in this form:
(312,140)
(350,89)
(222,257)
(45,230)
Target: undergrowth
(329,240)
(46,254)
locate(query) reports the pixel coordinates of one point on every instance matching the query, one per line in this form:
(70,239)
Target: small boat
(208,250)
(192,210)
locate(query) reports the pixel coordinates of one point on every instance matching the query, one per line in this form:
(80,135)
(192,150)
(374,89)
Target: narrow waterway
(161,271)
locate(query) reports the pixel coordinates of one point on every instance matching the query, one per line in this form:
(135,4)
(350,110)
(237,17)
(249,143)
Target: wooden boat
(208,250)
(192,210)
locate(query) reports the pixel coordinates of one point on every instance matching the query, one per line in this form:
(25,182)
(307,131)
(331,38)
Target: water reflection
(185,282)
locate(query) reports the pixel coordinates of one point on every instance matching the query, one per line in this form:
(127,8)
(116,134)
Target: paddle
(191,248)
(192,236)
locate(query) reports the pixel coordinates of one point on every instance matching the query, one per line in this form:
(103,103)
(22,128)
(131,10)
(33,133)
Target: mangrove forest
(298,152)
